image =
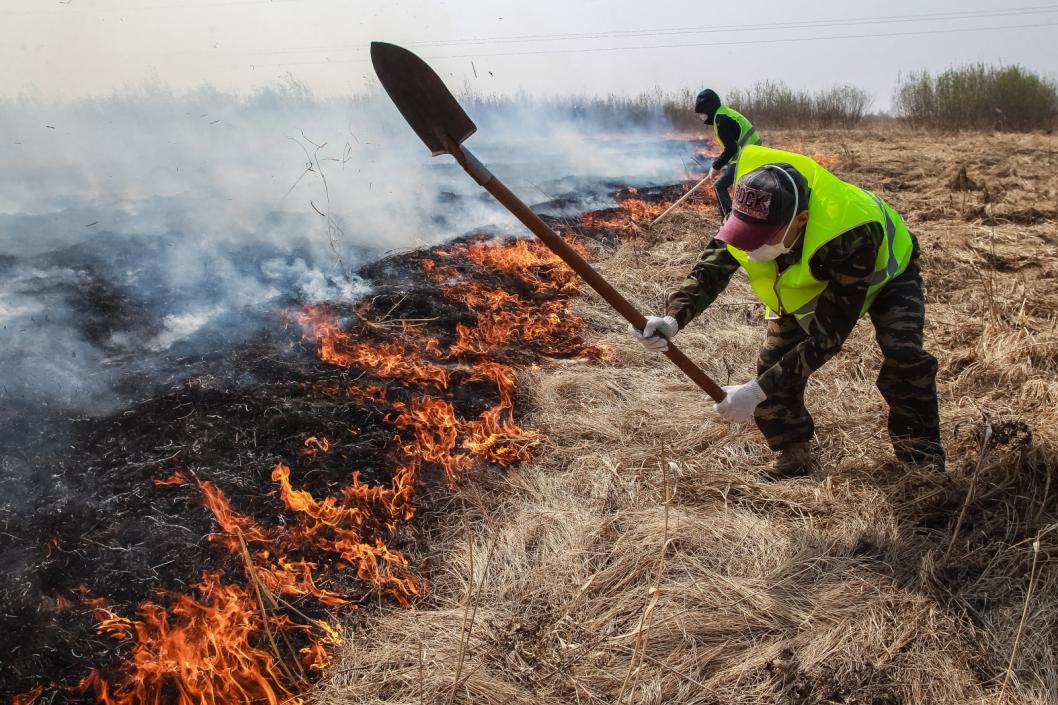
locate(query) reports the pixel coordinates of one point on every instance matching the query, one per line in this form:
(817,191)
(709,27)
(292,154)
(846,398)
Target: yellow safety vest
(834,208)
(747,135)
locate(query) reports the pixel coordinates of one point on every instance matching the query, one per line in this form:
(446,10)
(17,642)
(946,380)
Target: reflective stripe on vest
(835,208)
(806,312)
(892,267)
(747,133)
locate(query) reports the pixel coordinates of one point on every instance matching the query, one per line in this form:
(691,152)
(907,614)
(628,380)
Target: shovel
(440,122)
(681,199)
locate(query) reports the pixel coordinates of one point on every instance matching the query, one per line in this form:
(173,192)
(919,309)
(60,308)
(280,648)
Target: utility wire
(739,28)
(799,24)
(782,40)
(640,47)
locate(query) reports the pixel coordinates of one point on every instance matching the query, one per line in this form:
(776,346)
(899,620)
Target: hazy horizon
(201,161)
(96,48)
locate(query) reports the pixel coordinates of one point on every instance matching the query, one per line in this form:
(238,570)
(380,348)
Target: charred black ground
(89,520)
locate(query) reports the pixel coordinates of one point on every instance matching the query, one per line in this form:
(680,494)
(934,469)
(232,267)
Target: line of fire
(234,530)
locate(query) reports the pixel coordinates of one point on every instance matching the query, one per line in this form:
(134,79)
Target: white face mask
(767,253)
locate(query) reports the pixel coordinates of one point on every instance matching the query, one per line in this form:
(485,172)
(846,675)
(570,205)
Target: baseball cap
(763,205)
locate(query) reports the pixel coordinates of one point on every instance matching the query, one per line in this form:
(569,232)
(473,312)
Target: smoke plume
(141,231)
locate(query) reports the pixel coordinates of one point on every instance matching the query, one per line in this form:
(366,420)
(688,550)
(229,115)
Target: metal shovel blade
(439,121)
(421,97)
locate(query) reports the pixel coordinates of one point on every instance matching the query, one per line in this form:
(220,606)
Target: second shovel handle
(680,200)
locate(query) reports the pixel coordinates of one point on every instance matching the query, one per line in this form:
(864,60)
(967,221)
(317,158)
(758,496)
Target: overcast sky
(74,48)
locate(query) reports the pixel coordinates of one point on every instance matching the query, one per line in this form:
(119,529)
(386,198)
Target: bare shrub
(774,104)
(768,103)
(1005,98)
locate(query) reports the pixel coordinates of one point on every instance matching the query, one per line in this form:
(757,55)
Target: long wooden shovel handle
(577,263)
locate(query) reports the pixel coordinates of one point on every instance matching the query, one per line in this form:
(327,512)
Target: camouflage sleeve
(846,263)
(704,283)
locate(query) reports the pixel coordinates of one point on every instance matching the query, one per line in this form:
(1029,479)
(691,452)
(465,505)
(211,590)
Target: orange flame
(315,445)
(494,434)
(823,159)
(29,697)
(205,652)
(506,318)
(635,212)
(217,648)
(177,478)
(335,527)
(386,359)
(371,392)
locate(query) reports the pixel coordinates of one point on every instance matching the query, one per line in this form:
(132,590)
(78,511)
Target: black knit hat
(707,102)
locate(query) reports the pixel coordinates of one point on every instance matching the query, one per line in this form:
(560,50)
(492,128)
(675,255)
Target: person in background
(819,253)
(733,132)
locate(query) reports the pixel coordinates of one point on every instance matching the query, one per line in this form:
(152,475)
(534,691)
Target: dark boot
(795,460)
(925,456)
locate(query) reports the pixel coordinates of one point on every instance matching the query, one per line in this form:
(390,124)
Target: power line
(781,40)
(799,24)
(592,36)
(640,47)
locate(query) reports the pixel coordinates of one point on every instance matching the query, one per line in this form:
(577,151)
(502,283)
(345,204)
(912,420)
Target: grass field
(644,557)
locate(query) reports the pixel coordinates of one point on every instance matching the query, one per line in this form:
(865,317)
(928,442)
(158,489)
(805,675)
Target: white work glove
(656,332)
(740,402)
(715,173)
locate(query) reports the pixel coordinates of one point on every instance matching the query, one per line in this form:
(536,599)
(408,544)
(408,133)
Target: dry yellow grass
(644,557)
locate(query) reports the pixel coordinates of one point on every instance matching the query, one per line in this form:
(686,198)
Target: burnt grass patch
(103,517)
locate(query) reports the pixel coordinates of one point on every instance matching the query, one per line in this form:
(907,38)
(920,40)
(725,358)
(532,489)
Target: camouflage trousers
(907,379)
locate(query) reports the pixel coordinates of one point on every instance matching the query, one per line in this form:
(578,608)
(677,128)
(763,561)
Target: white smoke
(182,212)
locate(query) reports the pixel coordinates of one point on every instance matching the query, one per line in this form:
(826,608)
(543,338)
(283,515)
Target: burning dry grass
(643,556)
(215,648)
(379,406)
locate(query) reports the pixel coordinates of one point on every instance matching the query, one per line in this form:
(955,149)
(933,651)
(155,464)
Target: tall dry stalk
(1024,615)
(463,632)
(650,600)
(987,437)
